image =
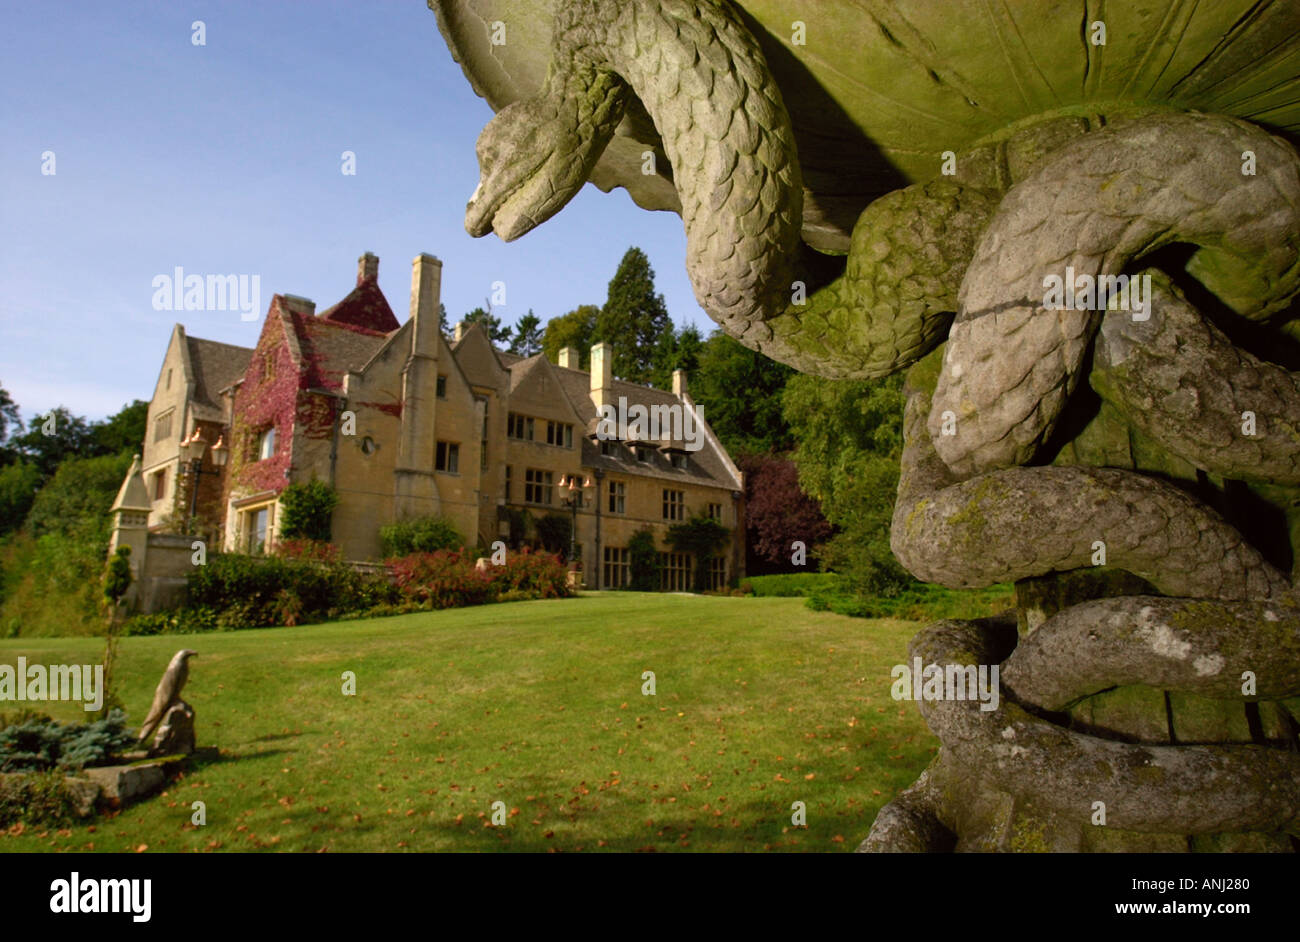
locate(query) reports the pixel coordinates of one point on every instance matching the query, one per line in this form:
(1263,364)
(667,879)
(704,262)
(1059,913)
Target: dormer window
(609,449)
(679,460)
(642,453)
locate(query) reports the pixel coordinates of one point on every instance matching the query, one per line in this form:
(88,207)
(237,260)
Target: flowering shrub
(444,579)
(316,551)
(535,575)
(237,591)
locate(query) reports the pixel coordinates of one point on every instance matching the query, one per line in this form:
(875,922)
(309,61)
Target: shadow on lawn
(627,821)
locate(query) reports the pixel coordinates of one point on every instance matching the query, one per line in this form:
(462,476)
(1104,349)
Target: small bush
(306,509)
(529,575)
(419,535)
(38,743)
(117,575)
(40,798)
(444,579)
(315,551)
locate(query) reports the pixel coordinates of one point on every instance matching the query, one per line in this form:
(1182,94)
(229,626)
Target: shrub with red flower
(530,574)
(315,551)
(448,579)
(445,579)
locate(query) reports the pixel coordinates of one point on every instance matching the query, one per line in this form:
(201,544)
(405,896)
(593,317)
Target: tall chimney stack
(458,332)
(602,374)
(426,290)
(415,491)
(679,383)
(569,358)
(367,268)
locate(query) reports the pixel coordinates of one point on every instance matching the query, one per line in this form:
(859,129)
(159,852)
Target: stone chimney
(304,306)
(602,375)
(458,331)
(426,290)
(679,383)
(569,358)
(415,490)
(367,268)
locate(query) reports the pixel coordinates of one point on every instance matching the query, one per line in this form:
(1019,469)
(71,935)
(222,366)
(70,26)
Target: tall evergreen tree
(634,318)
(527,338)
(575,329)
(678,350)
(497,333)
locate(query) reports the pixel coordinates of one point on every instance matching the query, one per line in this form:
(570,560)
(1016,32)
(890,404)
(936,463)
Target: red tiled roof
(365,307)
(330,349)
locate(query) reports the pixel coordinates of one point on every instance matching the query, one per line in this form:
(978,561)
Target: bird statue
(168,692)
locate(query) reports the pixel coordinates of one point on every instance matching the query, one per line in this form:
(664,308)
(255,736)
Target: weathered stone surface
(128,782)
(175,734)
(1040,442)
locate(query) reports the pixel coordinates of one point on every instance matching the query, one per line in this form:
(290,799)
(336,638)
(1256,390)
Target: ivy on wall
(702,537)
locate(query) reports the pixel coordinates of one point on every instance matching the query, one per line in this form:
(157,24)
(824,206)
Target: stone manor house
(402,421)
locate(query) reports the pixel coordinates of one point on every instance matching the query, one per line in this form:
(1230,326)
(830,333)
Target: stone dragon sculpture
(1033,435)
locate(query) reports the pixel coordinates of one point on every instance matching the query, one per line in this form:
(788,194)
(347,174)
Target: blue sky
(226,158)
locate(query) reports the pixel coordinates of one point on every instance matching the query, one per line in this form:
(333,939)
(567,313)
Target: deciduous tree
(574,329)
(740,391)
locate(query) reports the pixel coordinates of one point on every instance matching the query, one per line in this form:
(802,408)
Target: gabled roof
(534,380)
(213,366)
(478,359)
(327,349)
(365,307)
(710,465)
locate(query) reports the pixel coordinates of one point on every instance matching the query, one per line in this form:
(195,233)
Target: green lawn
(760,702)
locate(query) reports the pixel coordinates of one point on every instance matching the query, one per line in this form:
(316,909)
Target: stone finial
(368,267)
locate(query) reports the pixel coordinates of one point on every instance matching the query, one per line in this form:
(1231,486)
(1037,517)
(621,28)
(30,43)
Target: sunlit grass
(760,702)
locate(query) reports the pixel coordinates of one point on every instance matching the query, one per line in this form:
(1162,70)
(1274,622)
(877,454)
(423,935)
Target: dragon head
(525,176)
